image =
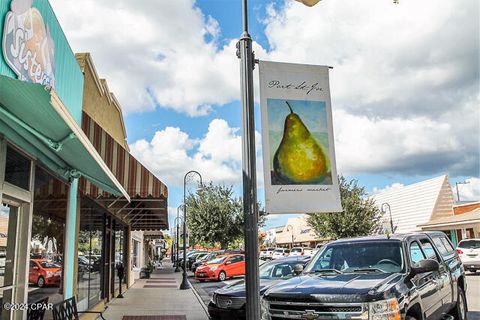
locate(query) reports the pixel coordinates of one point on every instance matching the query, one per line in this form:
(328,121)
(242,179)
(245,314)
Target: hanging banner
(297,138)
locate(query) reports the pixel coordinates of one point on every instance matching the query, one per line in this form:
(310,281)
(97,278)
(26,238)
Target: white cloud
(154,51)
(393,186)
(469,191)
(171,153)
(404,84)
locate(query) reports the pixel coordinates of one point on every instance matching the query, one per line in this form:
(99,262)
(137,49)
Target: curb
(199,299)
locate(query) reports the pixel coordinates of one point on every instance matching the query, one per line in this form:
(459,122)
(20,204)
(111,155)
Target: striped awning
(148,207)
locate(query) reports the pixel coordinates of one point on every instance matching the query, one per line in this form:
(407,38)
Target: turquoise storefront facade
(68,76)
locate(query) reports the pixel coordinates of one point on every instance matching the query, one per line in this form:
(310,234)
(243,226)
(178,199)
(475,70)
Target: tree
(360,217)
(214,215)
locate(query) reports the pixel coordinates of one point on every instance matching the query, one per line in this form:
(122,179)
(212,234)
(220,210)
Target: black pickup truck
(409,276)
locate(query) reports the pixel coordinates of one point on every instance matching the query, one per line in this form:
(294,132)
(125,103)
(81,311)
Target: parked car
(408,277)
(301,251)
(229,301)
(280,253)
(221,268)
(469,252)
(269,253)
(44,272)
(189,253)
(192,258)
(210,256)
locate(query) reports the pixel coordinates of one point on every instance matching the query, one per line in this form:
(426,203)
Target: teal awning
(35,119)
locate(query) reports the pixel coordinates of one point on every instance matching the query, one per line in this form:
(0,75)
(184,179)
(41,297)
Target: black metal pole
(185,285)
(245,53)
(177,258)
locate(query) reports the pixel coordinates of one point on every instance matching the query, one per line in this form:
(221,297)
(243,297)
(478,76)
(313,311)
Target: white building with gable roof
(416,204)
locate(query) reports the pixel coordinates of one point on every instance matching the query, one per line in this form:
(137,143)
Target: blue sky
(405,77)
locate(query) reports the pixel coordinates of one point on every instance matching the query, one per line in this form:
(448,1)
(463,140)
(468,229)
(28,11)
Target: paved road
(473,295)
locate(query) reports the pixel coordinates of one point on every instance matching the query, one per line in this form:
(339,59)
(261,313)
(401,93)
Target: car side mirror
(297,269)
(35,268)
(228,262)
(427,265)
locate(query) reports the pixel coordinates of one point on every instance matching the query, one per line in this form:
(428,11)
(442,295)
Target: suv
(301,251)
(411,277)
(280,253)
(469,252)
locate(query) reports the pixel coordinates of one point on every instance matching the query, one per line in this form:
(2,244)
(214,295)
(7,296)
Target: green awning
(34,118)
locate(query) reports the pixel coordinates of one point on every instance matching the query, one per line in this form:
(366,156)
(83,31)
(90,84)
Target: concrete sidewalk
(158,296)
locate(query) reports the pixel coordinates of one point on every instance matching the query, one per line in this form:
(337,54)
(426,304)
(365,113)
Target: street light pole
(185,285)
(290,227)
(177,260)
(250,210)
(387,205)
(456,186)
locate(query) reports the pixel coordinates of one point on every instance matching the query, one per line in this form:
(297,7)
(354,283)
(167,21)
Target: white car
(301,251)
(469,252)
(267,254)
(280,253)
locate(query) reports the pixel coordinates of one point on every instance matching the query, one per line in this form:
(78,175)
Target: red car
(44,272)
(221,268)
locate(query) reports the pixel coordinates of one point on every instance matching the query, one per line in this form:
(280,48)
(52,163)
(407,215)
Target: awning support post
(70,234)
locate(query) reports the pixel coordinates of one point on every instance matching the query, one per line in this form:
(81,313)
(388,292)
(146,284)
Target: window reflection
(47,242)
(90,258)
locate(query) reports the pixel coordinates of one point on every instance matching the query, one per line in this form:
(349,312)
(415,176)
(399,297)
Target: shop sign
(297,138)
(28,47)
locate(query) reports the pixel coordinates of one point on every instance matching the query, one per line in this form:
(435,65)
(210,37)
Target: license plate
(471,255)
(201,274)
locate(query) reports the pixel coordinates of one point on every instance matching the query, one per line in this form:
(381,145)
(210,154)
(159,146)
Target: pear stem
(289,106)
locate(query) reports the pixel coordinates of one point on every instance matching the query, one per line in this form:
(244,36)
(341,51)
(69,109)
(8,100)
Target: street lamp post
(387,205)
(250,210)
(177,260)
(456,186)
(185,285)
(290,228)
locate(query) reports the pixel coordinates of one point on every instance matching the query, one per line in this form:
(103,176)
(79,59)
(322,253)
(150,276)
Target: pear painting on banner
(297,137)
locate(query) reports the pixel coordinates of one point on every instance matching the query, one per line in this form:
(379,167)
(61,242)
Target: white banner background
(306,88)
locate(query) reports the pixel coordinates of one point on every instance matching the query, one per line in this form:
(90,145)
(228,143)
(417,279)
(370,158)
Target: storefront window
(90,258)
(135,254)
(17,169)
(48,233)
(119,250)
(8,224)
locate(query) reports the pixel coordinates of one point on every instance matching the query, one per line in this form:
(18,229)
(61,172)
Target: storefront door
(8,230)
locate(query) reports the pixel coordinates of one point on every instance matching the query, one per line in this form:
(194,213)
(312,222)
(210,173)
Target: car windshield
(469,244)
(217,261)
(360,257)
(282,270)
(48,264)
(279,250)
(297,250)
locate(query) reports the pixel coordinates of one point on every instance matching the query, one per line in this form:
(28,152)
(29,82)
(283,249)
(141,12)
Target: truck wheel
(222,276)
(459,312)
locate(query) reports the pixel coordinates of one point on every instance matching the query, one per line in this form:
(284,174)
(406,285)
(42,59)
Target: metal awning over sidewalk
(148,209)
(465,220)
(34,118)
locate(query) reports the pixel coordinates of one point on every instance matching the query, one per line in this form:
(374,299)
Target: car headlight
(50,274)
(384,310)
(264,305)
(214,299)
(213,268)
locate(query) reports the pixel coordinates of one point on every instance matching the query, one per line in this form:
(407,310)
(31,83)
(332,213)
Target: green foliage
(214,215)
(360,217)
